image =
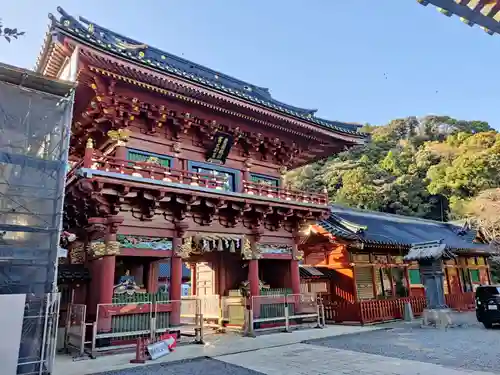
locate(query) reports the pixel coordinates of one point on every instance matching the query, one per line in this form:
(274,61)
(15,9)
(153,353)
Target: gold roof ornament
(120,136)
(90,143)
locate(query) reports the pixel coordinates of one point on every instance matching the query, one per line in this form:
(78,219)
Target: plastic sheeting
(34,140)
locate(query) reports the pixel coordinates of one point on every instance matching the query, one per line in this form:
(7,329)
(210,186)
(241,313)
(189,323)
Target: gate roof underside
(485,13)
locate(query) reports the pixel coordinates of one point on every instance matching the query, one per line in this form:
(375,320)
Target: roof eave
(356,138)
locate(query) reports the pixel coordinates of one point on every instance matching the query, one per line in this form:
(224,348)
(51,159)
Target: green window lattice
(414,276)
(474,276)
(144,156)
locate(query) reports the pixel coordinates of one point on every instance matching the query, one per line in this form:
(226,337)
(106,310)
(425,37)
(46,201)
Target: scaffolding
(35,126)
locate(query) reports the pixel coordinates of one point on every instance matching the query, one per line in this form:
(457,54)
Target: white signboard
(11,316)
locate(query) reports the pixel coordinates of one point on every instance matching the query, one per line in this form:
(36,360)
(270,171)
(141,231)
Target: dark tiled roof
(382,228)
(72,273)
(151,57)
(471,12)
(164,271)
(314,272)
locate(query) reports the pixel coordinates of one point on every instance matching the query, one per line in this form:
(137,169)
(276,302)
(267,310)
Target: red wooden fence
(374,311)
(461,302)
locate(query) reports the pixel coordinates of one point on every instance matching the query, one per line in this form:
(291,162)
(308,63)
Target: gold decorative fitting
(120,136)
(90,29)
(90,143)
(299,255)
(153,160)
(283,169)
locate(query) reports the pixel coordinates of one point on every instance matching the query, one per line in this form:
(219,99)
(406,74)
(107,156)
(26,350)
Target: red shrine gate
(175,162)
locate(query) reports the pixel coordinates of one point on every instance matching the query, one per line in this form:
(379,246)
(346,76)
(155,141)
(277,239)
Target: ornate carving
(185,249)
(144,242)
(99,249)
(298,255)
(77,253)
(274,249)
(120,136)
(176,147)
(283,169)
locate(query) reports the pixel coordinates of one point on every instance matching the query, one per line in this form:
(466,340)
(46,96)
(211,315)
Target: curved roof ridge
(139,52)
(395,217)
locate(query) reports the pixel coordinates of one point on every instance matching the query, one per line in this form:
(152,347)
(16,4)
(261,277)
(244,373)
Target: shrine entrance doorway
(204,279)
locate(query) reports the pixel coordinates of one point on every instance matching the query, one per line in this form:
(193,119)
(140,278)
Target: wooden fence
(376,311)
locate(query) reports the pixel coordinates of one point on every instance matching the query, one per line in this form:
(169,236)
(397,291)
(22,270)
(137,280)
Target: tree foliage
(9,33)
(430,167)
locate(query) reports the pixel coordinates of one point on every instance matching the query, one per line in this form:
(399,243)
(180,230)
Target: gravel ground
(201,366)
(470,347)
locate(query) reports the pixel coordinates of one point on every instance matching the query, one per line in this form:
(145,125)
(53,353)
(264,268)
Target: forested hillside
(433,167)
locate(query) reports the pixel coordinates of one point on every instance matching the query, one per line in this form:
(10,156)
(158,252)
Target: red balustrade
(161,173)
(269,191)
(158,172)
(373,311)
(461,302)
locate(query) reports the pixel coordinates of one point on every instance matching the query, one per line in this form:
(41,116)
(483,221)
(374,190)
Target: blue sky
(360,61)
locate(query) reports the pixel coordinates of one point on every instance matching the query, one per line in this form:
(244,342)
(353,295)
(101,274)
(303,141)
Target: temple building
(485,13)
(357,256)
(173,162)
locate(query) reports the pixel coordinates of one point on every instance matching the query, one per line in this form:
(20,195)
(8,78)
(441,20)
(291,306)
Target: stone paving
(399,349)
(471,347)
(304,359)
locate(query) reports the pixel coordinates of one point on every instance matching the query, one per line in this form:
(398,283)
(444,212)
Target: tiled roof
(485,13)
(313,272)
(381,228)
(129,49)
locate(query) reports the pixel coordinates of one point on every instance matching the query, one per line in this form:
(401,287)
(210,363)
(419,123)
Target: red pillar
(152,285)
(193,279)
(175,289)
(253,277)
(222,275)
(107,271)
(295,276)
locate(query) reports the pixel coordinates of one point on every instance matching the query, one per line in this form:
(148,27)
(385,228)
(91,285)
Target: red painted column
(107,271)
(253,276)
(193,279)
(89,153)
(153,269)
(176,283)
(295,276)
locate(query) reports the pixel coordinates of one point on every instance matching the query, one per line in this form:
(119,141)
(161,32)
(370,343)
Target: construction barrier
(129,325)
(75,336)
(283,312)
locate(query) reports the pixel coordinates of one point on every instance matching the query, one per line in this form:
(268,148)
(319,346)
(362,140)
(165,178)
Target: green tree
(426,167)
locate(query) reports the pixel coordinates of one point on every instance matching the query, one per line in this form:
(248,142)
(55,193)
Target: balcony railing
(157,172)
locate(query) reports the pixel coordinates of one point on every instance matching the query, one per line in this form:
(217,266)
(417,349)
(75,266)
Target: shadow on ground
(199,366)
